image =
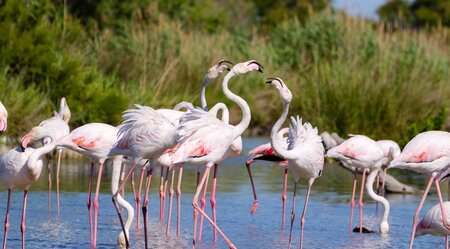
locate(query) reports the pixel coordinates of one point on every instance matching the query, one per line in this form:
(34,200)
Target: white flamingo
(20,167)
(304,150)
(204,139)
(432,222)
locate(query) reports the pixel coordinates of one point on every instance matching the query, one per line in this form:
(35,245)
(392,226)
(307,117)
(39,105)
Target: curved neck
(277,142)
(239,128)
(225,113)
(37,153)
(382,200)
(202,94)
(117,164)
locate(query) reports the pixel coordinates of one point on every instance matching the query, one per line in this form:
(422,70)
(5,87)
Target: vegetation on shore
(347,74)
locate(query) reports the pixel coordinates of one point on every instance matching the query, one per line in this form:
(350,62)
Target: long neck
(117,163)
(33,167)
(279,144)
(382,200)
(202,94)
(239,128)
(225,113)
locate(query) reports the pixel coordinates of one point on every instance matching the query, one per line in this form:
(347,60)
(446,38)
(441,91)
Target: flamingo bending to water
(390,150)
(363,153)
(204,139)
(432,222)
(20,167)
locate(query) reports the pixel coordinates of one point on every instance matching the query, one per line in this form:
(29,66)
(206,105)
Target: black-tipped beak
(260,69)
(225,62)
(269,80)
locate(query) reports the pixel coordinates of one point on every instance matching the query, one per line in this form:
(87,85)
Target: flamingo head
(384,227)
(285,93)
(121,241)
(219,68)
(3,118)
(35,134)
(248,66)
(236,146)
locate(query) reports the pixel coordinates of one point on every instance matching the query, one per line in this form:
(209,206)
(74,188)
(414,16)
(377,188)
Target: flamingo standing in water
(265,152)
(363,153)
(304,150)
(59,124)
(3,118)
(94,140)
(20,168)
(427,153)
(204,139)
(432,222)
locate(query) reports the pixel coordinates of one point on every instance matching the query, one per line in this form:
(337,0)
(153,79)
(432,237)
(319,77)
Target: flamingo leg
(171,192)
(161,192)
(138,196)
(441,204)
(58,165)
(5,234)
(180,175)
(133,188)
(383,191)
(352,202)
(283,197)
(213,199)
(255,198)
(198,209)
(302,220)
(416,215)
(446,242)
(292,214)
(360,203)
(202,206)
(49,198)
(97,190)
(166,179)
(145,204)
(89,202)
(24,211)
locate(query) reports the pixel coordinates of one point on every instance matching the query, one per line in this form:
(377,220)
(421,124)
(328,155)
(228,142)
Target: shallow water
(326,220)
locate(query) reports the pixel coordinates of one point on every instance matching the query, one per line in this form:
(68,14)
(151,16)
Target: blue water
(326,220)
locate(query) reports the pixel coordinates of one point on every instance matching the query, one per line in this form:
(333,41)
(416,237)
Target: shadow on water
(326,220)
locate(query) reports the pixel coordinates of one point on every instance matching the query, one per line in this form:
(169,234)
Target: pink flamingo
(59,124)
(304,150)
(20,167)
(363,153)
(432,222)
(426,153)
(204,139)
(265,152)
(390,150)
(3,118)
(93,140)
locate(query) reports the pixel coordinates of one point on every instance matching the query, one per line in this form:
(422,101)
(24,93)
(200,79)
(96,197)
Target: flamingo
(94,140)
(3,118)
(59,124)
(265,152)
(390,150)
(304,150)
(204,139)
(432,222)
(20,167)
(426,153)
(363,153)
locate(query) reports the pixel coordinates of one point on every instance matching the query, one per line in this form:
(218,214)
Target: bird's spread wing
(302,133)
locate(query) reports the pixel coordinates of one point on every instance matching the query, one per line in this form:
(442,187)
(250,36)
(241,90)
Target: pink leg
(171,192)
(352,202)
(283,197)
(180,175)
(202,206)
(145,204)
(292,214)
(416,215)
(49,198)
(89,202)
(138,196)
(24,210)
(213,199)
(302,220)
(5,234)
(446,242)
(255,198)
(97,190)
(161,192)
(441,204)
(58,165)
(360,203)
(166,178)
(383,182)
(198,209)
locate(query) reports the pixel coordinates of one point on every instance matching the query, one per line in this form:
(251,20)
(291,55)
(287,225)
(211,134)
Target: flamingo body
(432,222)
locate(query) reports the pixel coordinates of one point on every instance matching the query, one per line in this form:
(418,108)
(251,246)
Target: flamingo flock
(170,139)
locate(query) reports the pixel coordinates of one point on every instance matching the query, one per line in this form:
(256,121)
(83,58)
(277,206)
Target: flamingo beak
(3,124)
(260,67)
(269,80)
(26,139)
